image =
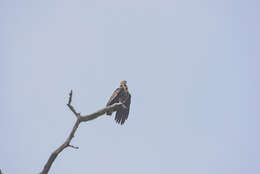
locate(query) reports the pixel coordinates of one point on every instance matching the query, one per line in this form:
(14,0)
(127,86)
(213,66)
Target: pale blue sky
(191,66)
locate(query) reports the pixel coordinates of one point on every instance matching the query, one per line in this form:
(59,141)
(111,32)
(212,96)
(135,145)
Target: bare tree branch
(80,119)
(99,113)
(74,147)
(71,107)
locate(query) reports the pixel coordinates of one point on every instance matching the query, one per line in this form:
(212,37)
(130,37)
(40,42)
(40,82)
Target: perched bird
(122,95)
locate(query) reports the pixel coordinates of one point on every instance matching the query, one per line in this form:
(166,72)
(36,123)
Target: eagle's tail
(121,115)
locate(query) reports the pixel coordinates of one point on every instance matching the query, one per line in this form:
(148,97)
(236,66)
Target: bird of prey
(122,95)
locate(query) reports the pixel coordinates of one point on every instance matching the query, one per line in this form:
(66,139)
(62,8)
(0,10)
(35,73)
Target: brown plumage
(121,94)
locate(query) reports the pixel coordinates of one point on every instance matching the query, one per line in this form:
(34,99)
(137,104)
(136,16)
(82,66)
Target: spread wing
(123,111)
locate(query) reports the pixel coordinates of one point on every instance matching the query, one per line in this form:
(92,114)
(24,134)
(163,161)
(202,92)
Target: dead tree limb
(80,119)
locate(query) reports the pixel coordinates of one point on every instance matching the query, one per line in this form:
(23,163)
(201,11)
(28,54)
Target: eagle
(122,95)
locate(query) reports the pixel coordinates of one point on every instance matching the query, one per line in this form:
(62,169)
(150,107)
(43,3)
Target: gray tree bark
(79,120)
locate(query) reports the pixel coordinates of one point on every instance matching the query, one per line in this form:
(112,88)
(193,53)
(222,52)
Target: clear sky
(191,67)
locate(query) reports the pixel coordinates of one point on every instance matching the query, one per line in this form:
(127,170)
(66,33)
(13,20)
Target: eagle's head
(123,83)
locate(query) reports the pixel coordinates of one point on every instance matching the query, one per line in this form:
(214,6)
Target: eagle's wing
(123,112)
(114,98)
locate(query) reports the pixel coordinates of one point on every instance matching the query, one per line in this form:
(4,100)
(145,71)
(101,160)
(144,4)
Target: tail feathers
(121,116)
